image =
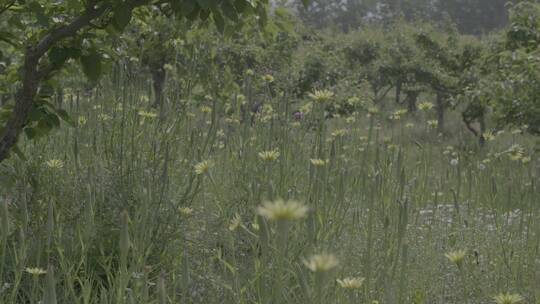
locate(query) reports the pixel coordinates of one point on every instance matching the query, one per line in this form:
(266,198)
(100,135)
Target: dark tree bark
(440,107)
(33,73)
(158,82)
(411,99)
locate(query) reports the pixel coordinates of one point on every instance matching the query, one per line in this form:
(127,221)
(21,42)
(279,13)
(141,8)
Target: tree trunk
(158,83)
(24,99)
(440,108)
(398,92)
(412,98)
(481,139)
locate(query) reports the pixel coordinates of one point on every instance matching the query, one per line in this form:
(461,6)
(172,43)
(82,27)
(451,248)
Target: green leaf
(91,65)
(229,11)
(306,3)
(220,23)
(240,5)
(122,17)
(206,4)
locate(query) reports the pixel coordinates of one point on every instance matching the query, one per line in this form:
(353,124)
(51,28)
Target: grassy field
(198,205)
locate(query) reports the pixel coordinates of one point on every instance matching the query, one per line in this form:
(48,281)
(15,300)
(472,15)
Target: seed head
(281,210)
(321,262)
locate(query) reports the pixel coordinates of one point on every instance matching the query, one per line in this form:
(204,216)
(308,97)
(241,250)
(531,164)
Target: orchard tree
(47,35)
(514,82)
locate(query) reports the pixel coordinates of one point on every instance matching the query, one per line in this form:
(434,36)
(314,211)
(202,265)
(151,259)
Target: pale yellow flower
(147,114)
(236,221)
(206,109)
(282,210)
(55,164)
(506,298)
(321,262)
(317,162)
(268,78)
(351,283)
(321,96)
(203,167)
(424,106)
(457,257)
(186,211)
(269,156)
(35,271)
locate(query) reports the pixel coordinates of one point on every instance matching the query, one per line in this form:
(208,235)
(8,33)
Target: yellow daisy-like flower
(268,78)
(35,271)
(351,283)
(206,109)
(317,162)
(281,210)
(321,96)
(147,114)
(186,211)
(236,221)
(424,106)
(203,167)
(339,133)
(432,123)
(321,262)
(54,164)
(269,156)
(489,136)
(457,257)
(506,298)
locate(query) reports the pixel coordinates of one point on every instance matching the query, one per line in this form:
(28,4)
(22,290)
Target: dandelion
(351,283)
(146,114)
(35,271)
(81,120)
(269,156)
(203,167)
(186,211)
(321,96)
(54,164)
(425,106)
(506,298)
(339,133)
(281,210)
(321,262)
(317,162)
(268,78)
(432,124)
(235,222)
(516,152)
(206,109)
(457,257)
(488,136)
(398,114)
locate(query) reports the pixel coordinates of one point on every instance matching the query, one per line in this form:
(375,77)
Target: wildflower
(488,136)
(454,162)
(54,164)
(339,133)
(186,211)
(36,271)
(398,114)
(268,78)
(506,298)
(104,117)
(321,96)
(373,110)
(321,262)
(250,72)
(481,167)
(203,167)
(206,109)
(351,283)
(409,125)
(317,162)
(236,221)
(526,160)
(350,119)
(298,115)
(281,210)
(432,123)
(424,106)
(147,114)
(516,152)
(82,120)
(269,156)
(457,257)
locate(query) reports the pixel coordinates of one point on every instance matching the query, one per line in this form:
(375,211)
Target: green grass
(122,216)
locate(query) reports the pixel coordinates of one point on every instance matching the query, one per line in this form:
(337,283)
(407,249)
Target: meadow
(205,207)
(247,151)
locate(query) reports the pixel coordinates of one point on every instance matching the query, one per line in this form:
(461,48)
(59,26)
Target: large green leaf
(91,65)
(122,17)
